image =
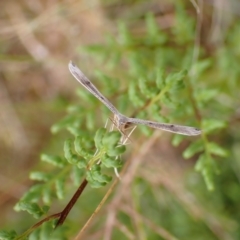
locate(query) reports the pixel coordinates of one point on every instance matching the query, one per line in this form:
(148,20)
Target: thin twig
(38,224)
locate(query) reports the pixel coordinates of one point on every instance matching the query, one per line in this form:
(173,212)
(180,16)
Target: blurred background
(166,197)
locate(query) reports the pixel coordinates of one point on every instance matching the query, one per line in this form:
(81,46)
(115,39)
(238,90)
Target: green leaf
(75,109)
(155,112)
(96,184)
(7,235)
(146,90)
(177,139)
(94,48)
(125,38)
(74,130)
(201,66)
(136,67)
(100,177)
(96,167)
(111,139)
(46,230)
(40,176)
(80,145)
(206,165)
(209,125)
(99,136)
(69,155)
(215,149)
(147,131)
(152,26)
(111,85)
(54,160)
(65,122)
(110,162)
(93,183)
(160,80)
(59,183)
(32,195)
(35,235)
(184,26)
(175,80)
(82,163)
(77,175)
(134,95)
(209,178)
(205,95)
(166,100)
(116,151)
(90,120)
(154,36)
(95,176)
(193,148)
(32,208)
(47,194)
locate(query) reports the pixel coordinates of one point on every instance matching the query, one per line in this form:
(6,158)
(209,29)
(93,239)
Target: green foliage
(46,232)
(107,145)
(31,208)
(209,125)
(160,86)
(54,160)
(207,167)
(193,148)
(7,235)
(184,25)
(78,155)
(152,89)
(79,160)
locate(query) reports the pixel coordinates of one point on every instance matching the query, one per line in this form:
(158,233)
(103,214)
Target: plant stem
(71,203)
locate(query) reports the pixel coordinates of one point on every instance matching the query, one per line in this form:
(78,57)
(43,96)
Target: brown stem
(61,215)
(71,203)
(53,216)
